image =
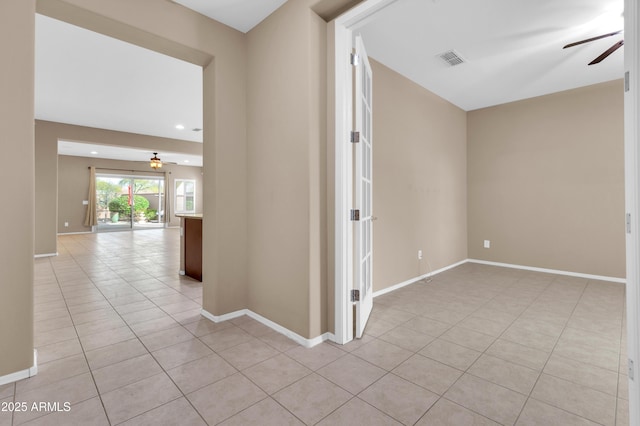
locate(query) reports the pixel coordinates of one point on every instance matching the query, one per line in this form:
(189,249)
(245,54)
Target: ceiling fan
(604,54)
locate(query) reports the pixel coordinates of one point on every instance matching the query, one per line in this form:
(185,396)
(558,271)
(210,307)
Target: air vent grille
(452,58)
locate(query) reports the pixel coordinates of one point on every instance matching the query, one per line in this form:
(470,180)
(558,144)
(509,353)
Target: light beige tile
(427,326)
(383,354)
(504,373)
(468,338)
(577,399)
(225,398)
(7,390)
(588,354)
(176,412)
(248,353)
(58,350)
(357,412)
(583,374)
(126,372)
(163,338)
(255,328)
(52,372)
(72,390)
(203,326)
(377,327)
(317,356)
(86,413)
(266,412)
(106,338)
(447,413)
(115,353)
(202,372)
(181,353)
(151,326)
(136,317)
(136,398)
(312,398)
(622,413)
(135,307)
(278,341)
(226,338)
(529,338)
(51,325)
(623,386)
(276,373)
(407,338)
(57,336)
(351,373)
(450,354)
(588,338)
(429,374)
(399,398)
(536,413)
(484,325)
(518,354)
(490,400)
(353,344)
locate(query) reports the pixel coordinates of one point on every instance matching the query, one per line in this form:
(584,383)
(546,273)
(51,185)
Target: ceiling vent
(452,58)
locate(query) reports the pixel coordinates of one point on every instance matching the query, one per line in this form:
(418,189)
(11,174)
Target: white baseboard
(37,256)
(303,341)
(550,271)
(413,280)
(23,374)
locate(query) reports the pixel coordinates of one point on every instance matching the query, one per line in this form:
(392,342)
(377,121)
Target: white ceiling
(89,79)
(513,50)
(80,149)
(513,47)
(239,14)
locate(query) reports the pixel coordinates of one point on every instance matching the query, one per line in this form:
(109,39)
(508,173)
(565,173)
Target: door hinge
(628,223)
(630,368)
(355,60)
(355,214)
(355,137)
(626,81)
(355,295)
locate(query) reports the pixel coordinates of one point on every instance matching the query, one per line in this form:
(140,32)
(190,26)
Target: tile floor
(120,339)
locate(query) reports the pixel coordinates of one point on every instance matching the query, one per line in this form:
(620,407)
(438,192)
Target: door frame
(632,200)
(343,28)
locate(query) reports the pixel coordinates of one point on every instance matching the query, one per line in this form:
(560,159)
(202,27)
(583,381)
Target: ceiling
(88,79)
(513,50)
(80,149)
(239,14)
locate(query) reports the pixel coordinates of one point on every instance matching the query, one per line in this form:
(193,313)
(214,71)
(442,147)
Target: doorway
(130,202)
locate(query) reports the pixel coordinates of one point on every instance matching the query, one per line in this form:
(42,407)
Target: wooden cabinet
(191,246)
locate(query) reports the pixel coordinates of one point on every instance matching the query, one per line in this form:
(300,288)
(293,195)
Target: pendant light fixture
(155,162)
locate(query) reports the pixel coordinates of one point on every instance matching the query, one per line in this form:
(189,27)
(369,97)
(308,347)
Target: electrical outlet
(419,254)
(487,244)
(66,224)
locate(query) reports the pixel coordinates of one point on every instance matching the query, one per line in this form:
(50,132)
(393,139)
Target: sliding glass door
(127,202)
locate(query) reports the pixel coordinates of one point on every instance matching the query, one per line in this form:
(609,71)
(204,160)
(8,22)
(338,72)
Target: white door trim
(632,199)
(343,43)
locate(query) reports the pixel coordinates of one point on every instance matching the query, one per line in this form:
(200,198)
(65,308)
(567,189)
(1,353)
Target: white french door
(363,229)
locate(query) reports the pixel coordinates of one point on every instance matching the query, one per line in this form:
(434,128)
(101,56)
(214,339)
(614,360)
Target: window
(185,196)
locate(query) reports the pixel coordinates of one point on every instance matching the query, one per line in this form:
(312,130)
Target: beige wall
(50,216)
(286,158)
(419,180)
(17,26)
(546,181)
(73,186)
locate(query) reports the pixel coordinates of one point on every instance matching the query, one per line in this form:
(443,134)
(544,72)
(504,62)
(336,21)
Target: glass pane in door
(148,202)
(114,198)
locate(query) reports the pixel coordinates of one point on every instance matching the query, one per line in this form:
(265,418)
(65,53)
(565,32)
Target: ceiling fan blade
(607,52)
(592,39)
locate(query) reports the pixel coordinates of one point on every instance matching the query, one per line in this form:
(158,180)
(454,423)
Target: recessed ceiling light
(179,127)
(186,161)
(94,152)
